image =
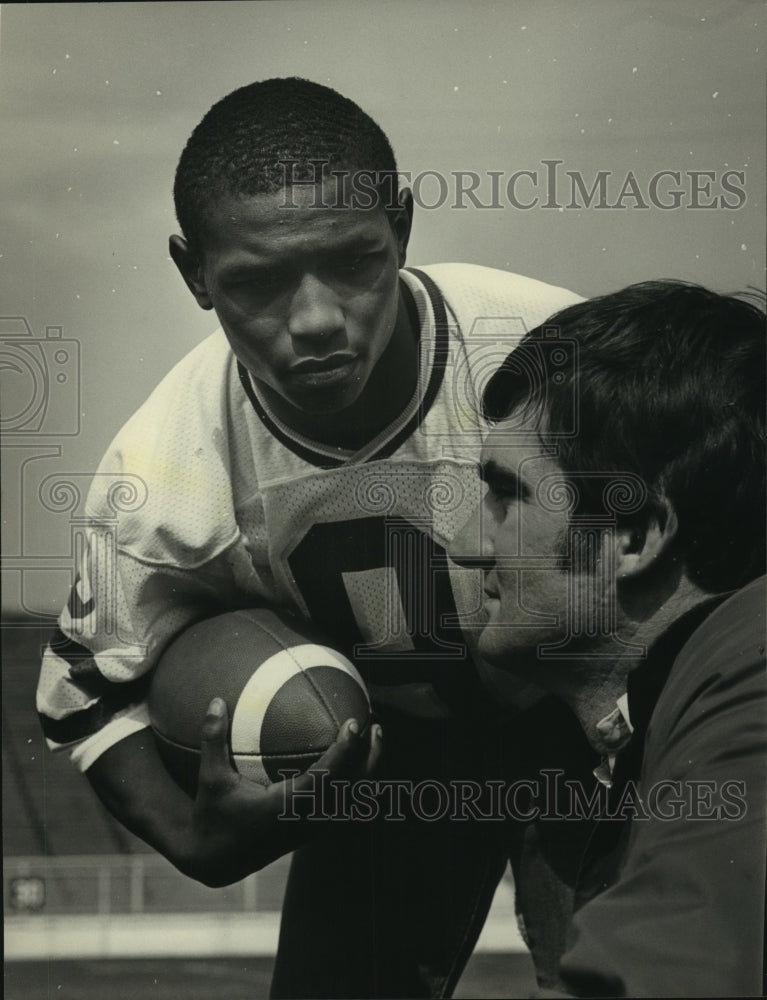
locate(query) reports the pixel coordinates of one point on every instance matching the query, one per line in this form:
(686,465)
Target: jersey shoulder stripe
(436,374)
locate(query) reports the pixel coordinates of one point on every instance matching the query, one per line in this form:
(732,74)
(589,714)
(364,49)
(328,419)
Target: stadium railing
(108,905)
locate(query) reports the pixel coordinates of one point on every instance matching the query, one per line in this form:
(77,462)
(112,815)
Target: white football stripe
(323,656)
(254,700)
(266,682)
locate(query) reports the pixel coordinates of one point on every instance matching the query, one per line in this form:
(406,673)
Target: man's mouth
(312,365)
(324,371)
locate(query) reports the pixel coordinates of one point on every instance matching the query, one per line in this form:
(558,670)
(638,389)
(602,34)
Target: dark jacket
(667,897)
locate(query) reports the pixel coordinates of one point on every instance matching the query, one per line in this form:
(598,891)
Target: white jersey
(207,502)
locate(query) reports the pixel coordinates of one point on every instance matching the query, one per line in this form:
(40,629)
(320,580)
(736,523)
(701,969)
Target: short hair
(242,145)
(668,382)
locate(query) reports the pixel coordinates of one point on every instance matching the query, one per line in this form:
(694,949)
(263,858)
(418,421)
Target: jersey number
(415,614)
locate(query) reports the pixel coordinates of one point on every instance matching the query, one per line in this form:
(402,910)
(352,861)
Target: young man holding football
(317,453)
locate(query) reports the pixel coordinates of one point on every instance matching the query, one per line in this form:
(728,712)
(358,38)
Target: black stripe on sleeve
(89,720)
(85,675)
(83,670)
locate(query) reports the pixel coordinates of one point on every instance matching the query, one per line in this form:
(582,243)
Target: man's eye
(501,497)
(256,281)
(351,264)
(355,263)
(506,492)
(269,279)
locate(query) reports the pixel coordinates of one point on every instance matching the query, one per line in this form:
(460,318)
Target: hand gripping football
(288,694)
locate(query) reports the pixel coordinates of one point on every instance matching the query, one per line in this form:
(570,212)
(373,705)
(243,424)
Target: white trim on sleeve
(133,720)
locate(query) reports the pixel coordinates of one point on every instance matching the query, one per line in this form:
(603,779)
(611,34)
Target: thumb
(215,765)
(344,755)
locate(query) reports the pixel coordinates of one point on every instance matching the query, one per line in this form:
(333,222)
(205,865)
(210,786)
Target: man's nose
(315,311)
(472,546)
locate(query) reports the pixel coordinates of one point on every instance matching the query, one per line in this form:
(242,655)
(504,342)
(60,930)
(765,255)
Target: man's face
(534,595)
(307,296)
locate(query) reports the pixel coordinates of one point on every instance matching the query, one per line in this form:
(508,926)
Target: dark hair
(667,382)
(237,148)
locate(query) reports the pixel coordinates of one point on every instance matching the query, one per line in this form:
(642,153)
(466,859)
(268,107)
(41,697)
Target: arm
(90,695)
(234,826)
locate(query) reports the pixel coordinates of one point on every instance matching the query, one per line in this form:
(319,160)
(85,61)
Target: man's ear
(640,545)
(191,270)
(402,222)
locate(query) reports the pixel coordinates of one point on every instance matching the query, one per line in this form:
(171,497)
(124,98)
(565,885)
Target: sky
(544,99)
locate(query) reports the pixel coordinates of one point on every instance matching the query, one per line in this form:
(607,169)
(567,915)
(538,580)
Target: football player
(317,452)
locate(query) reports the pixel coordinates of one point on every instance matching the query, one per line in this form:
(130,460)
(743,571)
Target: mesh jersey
(206,502)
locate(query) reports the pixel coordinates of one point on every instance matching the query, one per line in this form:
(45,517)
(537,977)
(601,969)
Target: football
(287,693)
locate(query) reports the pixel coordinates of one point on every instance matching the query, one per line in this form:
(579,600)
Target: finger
(348,755)
(344,754)
(305,794)
(215,765)
(375,750)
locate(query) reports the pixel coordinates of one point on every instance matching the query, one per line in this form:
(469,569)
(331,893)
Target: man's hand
(235,826)
(238,825)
